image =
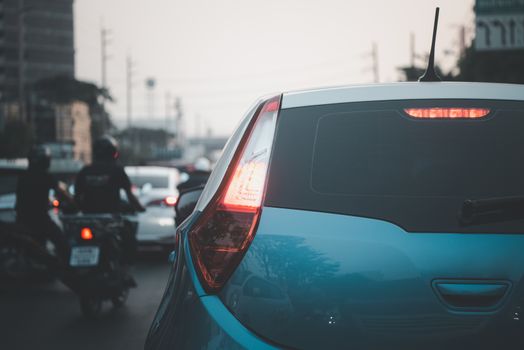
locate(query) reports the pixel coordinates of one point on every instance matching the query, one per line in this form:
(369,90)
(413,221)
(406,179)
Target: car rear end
(156,190)
(336,219)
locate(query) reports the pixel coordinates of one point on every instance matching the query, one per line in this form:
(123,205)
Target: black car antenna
(430,74)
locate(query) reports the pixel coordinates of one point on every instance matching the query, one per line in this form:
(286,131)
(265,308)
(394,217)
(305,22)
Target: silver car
(155,187)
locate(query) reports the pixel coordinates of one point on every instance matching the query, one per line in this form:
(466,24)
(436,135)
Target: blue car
(357,217)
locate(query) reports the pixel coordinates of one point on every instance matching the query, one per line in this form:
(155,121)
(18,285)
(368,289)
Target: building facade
(73,126)
(36,42)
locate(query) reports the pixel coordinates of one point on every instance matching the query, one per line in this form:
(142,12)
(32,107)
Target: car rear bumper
(186,319)
(164,245)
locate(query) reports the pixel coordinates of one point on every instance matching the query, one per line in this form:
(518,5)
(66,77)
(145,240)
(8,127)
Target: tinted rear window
(373,160)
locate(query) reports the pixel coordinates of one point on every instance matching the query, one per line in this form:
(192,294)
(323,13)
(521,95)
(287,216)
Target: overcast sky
(219,56)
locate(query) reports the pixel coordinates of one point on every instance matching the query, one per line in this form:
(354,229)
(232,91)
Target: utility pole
(150,88)
(179,122)
(21,60)
(104,41)
(374,54)
(412,49)
(168,109)
(197,125)
(129,89)
(462,40)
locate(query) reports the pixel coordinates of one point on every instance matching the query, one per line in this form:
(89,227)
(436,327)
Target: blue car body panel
(315,279)
(312,280)
(188,318)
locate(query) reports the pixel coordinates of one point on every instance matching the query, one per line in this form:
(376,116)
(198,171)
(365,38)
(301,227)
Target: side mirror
(186,203)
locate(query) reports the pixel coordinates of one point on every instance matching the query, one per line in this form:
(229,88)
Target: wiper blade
(486,210)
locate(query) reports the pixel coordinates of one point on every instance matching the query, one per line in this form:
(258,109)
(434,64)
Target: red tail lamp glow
(226,228)
(447,113)
(86,234)
(170,201)
(56,203)
(245,191)
(271,106)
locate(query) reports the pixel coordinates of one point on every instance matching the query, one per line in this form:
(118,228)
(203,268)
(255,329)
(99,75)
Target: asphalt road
(47,316)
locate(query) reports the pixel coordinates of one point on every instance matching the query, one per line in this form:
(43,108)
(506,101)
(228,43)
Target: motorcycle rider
(97,188)
(197,177)
(32,200)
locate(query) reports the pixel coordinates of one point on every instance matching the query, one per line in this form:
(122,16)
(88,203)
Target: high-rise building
(36,42)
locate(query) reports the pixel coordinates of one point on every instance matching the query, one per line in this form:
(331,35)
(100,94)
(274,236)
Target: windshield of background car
(156,181)
(372,159)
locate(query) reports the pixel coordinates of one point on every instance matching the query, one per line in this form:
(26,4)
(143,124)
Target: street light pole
(104,40)
(129,89)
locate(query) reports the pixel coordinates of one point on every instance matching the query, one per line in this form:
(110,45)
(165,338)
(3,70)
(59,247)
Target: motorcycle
(23,259)
(98,263)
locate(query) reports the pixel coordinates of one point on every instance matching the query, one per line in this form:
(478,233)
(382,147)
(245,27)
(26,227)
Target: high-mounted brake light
(447,113)
(86,234)
(224,231)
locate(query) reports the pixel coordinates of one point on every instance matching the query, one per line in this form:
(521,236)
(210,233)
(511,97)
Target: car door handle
(472,295)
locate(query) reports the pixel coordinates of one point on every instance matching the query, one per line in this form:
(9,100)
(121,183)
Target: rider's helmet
(39,158)
(105,149)
(202,164)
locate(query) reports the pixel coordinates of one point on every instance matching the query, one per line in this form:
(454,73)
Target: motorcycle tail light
(86,234)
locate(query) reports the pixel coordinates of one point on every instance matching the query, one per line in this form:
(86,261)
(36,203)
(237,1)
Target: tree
(139,145)
(64,89)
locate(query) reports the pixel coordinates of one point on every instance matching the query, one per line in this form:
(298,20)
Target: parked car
(156,190)
(381,217)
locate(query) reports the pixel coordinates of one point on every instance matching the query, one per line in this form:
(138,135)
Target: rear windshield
(156,181)
(374,160)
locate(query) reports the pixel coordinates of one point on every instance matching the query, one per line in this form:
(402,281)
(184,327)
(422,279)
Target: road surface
(47,316)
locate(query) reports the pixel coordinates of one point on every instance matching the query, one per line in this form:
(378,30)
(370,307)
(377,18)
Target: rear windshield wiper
(486,210)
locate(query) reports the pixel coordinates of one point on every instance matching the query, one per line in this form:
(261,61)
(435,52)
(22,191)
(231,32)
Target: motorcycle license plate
(84,256)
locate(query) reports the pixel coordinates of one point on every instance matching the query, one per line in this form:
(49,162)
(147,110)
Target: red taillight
(227,226)
(245,191)
(447,113)
(170,201)
(56,203)
(86,234)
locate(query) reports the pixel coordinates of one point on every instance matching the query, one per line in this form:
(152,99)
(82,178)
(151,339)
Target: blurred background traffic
(170,80)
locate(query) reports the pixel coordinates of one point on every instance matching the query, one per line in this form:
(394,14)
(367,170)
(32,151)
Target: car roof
(402,91)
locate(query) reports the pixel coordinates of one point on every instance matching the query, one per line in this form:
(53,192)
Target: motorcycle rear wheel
(120,299)
(91,307)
